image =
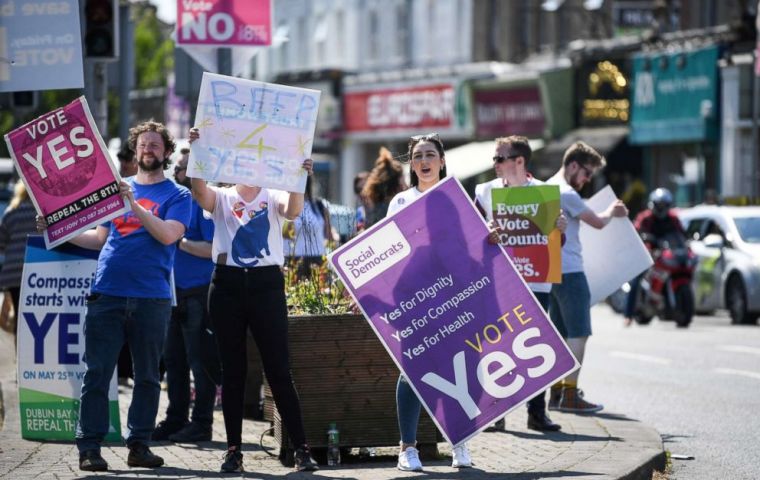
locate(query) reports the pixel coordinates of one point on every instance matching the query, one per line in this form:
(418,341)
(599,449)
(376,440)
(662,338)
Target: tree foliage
(154,50)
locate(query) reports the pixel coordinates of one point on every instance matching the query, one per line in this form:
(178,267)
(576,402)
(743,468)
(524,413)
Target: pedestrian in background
(428,166)
(570,304)
(248,292)
(510,162)
(127,161)
(361,204)
(307,237)
(131,298)
(385,181)
(17,223)
(188,337)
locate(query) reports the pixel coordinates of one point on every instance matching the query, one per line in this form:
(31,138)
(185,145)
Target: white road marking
(739,349)
(641,357)
(742,373)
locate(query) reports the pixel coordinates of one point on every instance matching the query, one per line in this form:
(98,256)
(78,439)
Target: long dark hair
(385,180)
(436,141)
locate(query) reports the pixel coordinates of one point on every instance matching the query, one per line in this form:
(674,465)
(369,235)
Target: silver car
(727,243)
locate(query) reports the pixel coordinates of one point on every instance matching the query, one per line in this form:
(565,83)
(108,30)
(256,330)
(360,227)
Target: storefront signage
(430,106)
(509,111)
(603,93)
(675,97)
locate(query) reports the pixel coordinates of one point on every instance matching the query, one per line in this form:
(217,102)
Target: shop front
(386,114)
(500,107)
(675,119)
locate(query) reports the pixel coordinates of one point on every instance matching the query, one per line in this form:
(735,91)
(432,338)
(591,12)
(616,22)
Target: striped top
(14,227)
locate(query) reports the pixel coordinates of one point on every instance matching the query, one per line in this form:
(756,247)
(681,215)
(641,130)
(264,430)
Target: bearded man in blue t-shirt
(131,298)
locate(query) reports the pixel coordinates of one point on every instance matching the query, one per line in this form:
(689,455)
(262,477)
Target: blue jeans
(408,408)
(111,321)
(570,307)
(182,354)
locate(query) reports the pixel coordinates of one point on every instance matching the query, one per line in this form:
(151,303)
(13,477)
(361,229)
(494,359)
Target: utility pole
(755,187)
(224,61)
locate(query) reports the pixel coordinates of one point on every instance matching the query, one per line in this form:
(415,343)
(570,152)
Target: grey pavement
(603,446)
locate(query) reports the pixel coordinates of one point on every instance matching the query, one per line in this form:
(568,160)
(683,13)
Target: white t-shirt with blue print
(248,234)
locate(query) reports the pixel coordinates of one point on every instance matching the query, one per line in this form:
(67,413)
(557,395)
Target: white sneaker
(409,460)
(460,457)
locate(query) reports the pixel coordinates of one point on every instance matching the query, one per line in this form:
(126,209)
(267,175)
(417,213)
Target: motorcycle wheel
(684,310)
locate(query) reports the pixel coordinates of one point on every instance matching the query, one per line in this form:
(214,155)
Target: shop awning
(603,139)
(476,157)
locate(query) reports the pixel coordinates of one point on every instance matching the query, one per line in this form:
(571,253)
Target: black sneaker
(192,432)
(141,456)
(91,461)
(164,429)
(233,461)
(303,461)
(498,426)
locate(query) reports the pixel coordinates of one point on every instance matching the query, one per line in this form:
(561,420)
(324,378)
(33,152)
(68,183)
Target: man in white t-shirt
(510,162)
(570,305)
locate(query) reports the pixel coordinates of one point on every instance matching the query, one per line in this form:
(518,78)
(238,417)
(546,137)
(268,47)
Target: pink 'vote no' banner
(224,22)
(65,166)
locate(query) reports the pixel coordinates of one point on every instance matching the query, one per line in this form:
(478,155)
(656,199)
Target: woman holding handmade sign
(510,162)
(428,163)
(248,292)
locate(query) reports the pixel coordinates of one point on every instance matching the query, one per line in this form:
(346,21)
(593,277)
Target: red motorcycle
(665,289)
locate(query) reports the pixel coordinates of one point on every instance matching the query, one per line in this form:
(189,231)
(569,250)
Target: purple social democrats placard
(453,312)
(67,171)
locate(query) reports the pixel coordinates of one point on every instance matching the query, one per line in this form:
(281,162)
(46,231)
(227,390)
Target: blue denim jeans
(408,408)
(570,307)
(111,321)
(182,354)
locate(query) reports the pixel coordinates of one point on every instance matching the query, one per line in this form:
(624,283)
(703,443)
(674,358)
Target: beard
(155,164)
(575,183)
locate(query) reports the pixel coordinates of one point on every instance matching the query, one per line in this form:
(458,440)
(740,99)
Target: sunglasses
(427,136)
(502,158)
(177,168)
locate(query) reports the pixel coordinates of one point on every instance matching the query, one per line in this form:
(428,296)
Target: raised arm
(294,205)
(616,209)
(205,196)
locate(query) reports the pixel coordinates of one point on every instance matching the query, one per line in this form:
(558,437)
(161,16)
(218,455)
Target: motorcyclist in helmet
(656,223)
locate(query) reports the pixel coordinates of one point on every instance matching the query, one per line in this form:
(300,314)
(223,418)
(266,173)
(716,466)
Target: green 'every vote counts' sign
(527,218)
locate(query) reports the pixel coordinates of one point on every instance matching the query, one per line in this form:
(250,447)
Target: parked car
(727,243)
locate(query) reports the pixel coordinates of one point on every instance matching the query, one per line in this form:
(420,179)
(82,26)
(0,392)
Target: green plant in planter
(314,291)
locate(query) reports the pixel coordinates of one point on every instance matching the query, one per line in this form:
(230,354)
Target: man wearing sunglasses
(510,162)
(570,304)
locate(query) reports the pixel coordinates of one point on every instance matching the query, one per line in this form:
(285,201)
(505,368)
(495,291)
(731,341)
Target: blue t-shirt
(132,263)
(191,271)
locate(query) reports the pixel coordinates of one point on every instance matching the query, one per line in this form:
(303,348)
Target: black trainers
(91,461)
(141,456)
(498,426)
(303,461)
(164,429)
(192,432)
(233,461)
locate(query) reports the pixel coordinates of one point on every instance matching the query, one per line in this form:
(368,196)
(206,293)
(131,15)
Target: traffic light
(101,29)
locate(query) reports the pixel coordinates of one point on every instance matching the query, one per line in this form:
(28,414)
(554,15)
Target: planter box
(343,374)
